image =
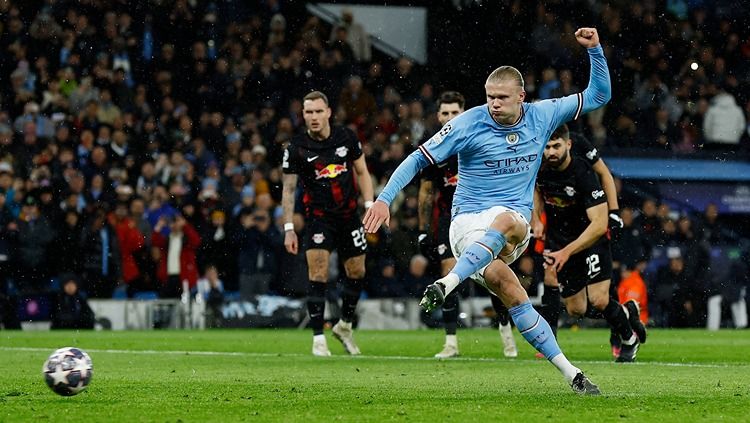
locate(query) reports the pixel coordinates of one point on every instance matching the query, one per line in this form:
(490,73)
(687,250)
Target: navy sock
(616,318)
(316,303)
(551,306)
(349,298)
(450,313)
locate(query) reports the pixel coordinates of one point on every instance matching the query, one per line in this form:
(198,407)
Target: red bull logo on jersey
(331,171)
(450,182)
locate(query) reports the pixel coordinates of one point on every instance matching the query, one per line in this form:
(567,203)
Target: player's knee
(355,272)
(599,303)
(576,310)
(318,275)
(510,225)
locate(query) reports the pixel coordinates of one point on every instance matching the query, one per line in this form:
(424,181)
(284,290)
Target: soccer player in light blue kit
(500,148)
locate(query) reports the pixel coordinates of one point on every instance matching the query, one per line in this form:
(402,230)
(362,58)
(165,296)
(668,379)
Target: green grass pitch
(224,376)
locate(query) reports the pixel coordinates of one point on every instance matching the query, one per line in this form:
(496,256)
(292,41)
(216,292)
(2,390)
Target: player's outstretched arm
(599,90)
(405,172)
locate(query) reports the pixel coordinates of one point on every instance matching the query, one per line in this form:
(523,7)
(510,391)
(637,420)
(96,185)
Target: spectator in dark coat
(71,310)
(33,235)
(260,247)
(100,255)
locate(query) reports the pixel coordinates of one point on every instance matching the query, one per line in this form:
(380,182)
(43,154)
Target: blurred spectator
(357,38)
(724,122)
(633,287)
(101,261)
(211,290)
(216,248)
(32,236)
(70,309)
(131,242)
(670,303)
(176,242)
(259,243)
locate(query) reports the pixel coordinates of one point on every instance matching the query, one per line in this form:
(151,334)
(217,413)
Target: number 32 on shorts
(358,238)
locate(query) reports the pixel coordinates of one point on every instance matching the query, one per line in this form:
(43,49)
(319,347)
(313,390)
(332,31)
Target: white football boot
(509,343)
(320,346)
(344,333)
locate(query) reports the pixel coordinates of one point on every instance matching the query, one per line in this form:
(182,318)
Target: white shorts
(468,228)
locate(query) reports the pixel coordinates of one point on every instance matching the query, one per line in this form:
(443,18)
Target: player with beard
(325,159)
(434,222)
(578,254)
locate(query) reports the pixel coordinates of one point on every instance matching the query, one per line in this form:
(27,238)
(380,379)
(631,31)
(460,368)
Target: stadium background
(116,113)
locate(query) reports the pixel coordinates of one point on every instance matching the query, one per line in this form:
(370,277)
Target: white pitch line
(378,357)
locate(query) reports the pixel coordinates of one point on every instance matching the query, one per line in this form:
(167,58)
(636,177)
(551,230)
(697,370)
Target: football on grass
(68,371)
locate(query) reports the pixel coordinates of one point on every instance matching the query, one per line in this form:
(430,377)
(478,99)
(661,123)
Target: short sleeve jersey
(326,172)
(567,194)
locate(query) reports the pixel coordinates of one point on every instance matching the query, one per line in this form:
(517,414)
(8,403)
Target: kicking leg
(532,326)
(507,227)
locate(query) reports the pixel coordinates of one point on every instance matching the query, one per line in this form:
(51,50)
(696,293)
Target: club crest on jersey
(512,138)
(570,191)
(318,238)
(331,171)
(341,151)
(441,249)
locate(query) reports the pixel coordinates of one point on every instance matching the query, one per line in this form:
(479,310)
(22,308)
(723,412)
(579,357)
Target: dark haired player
(578,254)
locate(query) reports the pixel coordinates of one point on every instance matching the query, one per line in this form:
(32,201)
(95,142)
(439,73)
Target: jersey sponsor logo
(309,159)
(512,138)
(331,171)
(597,194)
(591,154)
(318,238)
(341,151)
(450,182)
(570,191)
(511,165)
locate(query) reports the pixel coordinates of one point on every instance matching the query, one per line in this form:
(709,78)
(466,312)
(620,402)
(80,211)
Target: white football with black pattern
(68,371)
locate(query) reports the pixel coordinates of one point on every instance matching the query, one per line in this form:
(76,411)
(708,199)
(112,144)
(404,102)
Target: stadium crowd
(124,123)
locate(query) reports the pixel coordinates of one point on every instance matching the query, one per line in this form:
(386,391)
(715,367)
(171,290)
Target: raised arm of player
(364,180)
(599,90)
(597,227)
(287,204)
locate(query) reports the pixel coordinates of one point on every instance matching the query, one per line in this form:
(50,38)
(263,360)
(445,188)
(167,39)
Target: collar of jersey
(515,124)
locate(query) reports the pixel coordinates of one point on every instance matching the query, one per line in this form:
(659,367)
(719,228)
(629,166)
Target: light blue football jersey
(498,164)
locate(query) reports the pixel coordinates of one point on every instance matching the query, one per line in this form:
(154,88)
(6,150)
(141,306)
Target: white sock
(451,340)
(568,370)
(319,339)
(450,281)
